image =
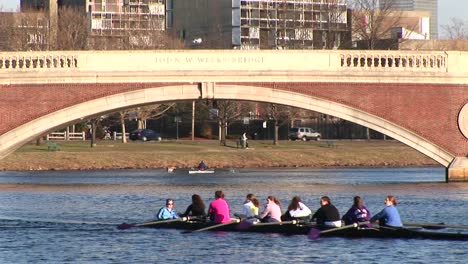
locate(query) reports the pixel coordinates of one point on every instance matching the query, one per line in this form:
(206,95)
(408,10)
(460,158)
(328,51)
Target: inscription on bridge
(211,60)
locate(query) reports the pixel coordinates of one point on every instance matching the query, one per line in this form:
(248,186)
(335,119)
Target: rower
(202,166)
(272,211)
(297,210)
(389,216)
(196,208)
(357,213)
(327,215)
(250,207)
(218,211)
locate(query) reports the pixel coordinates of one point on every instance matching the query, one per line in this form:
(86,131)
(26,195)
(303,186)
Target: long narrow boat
(302,228)
(201,171)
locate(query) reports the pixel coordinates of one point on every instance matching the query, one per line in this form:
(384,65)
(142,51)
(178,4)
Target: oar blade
(314,233)
(124,226)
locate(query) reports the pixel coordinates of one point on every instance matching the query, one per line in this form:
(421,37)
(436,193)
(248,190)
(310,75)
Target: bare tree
(373,22)
(147,33)
(150,111)
(24,31)
(73,29)
(228,111)
(281,115)
(6,30)
(457,29)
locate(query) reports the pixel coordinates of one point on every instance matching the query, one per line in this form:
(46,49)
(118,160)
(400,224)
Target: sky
(447,9)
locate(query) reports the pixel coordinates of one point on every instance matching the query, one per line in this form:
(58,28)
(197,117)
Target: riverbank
(186,154)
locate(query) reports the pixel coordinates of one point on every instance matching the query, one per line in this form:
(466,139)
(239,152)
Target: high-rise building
(417,5)
(262,24)
(110,17)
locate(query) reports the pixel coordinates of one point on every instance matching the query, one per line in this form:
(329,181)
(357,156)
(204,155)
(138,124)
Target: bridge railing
(394,61)
(24,62)
(193,61)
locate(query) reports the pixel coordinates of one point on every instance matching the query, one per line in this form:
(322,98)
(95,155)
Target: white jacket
(302,211)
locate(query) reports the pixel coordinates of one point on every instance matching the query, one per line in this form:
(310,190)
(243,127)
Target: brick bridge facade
(419,98)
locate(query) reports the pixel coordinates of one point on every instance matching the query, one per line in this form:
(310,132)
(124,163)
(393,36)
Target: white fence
(116,135)
(66,136)
(81,136)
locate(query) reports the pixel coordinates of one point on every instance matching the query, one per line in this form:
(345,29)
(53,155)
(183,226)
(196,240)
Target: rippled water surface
(71,216)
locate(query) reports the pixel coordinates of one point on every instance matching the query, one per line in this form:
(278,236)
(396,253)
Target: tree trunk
(39,141)
(94,122)
(122,122)
(275,137)
(223,133)
(140,124)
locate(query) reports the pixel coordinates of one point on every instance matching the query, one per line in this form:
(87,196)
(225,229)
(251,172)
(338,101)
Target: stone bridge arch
(19,136)
(417,97)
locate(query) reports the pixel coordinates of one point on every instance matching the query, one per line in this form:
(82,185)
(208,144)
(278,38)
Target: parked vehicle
(145,135)
(303,133)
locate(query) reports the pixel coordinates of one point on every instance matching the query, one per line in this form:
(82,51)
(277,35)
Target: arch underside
(19,136)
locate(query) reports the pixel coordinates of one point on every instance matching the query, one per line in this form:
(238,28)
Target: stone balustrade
(394,61)
(187,65)
(31,62)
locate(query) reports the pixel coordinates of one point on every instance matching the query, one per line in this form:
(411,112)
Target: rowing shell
(200,171)
(303,228)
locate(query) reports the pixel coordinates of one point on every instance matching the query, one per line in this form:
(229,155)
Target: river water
(71,216)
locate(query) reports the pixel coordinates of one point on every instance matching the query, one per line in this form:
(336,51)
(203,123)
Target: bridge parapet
(21,61)
(234,60)
(391,61)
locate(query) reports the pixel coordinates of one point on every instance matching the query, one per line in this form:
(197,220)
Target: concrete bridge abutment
(458,170)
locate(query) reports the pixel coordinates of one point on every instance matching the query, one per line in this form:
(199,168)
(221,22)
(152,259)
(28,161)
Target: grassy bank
(183,153)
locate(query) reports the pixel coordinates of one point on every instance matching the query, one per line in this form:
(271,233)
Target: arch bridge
(418,98)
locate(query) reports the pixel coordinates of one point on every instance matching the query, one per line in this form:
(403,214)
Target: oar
(215,226)
(435,226)
(292,222)
(247,224)
(315,233)
(127,226)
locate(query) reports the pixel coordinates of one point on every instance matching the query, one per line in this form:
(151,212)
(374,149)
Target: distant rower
(202,166)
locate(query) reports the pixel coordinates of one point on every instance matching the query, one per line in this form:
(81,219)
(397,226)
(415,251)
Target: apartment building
(418,5)
(261,24)
(110,17)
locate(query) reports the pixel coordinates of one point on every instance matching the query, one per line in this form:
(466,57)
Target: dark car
(145,135)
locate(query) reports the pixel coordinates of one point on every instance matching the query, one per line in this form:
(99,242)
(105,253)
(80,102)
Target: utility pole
(193,120)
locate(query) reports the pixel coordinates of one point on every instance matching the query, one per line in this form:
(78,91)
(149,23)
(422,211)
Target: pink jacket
(273,210)
(219,210)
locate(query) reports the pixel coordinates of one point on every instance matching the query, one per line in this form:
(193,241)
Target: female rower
(196,208)
(327,215)
(389,216)
(250,207)
(297,210)
(219,209)
(272,211)
(357,213)
(167,212)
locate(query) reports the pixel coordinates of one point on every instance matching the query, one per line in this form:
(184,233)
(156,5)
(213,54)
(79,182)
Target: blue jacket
(388,216)
(165,213)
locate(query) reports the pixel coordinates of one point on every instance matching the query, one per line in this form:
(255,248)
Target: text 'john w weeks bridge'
(418,98)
